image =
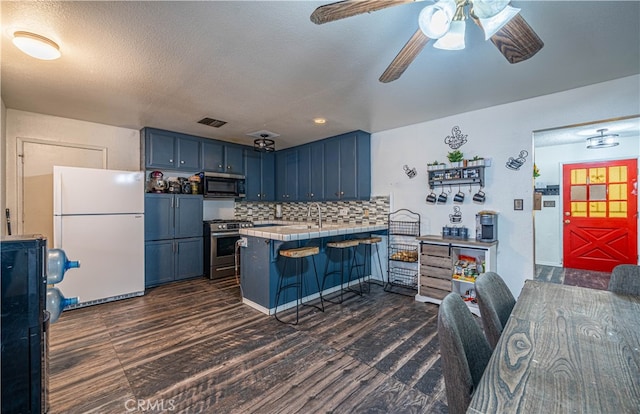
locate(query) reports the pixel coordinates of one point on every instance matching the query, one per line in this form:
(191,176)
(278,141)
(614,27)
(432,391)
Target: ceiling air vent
(216,123)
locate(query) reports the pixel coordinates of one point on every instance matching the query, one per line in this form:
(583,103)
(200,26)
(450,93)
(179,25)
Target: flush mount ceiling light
(603,140)
(36,46)
(319,121)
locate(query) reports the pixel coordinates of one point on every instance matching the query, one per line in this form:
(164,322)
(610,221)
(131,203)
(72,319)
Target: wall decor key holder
(516,163)
(411,172)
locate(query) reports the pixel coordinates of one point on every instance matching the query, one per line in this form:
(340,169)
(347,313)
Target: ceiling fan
(444,21)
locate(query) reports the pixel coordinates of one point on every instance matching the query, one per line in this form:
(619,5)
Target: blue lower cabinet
(261,266)
(175,259)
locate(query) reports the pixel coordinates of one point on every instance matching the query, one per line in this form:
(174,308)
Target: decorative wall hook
(410,172)
(516,163)
(456,139)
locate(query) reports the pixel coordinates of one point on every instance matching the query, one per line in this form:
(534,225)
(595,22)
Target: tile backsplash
(373,211)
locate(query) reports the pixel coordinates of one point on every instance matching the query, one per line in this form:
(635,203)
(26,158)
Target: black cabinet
(171,150)
(287,175)
(23,325)
(260,175)
(173,237)
(347,161)
(224,158)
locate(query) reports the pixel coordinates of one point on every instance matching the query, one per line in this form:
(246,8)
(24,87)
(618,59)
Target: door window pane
(597,175)
(618,174)
(579,193)
(579,176)
(617,191)
(618,209)
(578,209)
(598,209)
(598,192)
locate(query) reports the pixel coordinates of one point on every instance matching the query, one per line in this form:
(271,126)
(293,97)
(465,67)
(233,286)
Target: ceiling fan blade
(348,8)
(404,58)
(516,40)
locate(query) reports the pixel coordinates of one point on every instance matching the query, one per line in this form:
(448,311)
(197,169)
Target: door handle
(567,221)
(567,213)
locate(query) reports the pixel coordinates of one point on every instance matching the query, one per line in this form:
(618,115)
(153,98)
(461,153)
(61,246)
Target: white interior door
(38,159)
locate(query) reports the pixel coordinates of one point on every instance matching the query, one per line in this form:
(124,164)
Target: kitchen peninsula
(261,264)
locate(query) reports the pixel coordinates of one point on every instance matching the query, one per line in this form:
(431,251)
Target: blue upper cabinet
(171,150)
(260,175)
(287,175)
(311,172)
(347,167)
(223,158)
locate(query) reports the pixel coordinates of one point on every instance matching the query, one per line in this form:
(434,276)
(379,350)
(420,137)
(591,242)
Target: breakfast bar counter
(565,349)
(261,264)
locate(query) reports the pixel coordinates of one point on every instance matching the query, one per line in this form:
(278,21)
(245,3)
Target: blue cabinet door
(317,171)
(253,174)
(332,170)
(159,265)
(158,216)
(213,157)
(268,176)
(348,167)
(160,149)
(287,175)
(188,216)
(189,154)
(234,160)
(304,173)
(189,258)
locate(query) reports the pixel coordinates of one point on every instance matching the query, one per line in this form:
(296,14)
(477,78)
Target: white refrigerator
(98,219)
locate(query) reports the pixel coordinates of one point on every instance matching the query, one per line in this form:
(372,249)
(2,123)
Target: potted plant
(455,158)
(476,161)
(436,165)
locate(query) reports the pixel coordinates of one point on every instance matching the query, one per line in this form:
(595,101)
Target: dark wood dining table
(565,349)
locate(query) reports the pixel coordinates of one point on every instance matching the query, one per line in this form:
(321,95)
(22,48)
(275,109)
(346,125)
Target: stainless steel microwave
(221,185)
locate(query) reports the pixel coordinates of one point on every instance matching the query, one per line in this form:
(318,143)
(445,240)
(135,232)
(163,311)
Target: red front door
(600,214)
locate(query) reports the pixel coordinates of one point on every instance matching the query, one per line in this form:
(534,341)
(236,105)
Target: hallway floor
(573,277)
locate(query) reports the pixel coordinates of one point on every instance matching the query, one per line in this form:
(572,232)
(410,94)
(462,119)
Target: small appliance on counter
(487,226)
(278,211)
(156,183)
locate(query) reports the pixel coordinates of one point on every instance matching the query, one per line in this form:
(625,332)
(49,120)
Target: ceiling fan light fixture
(36,46)
(485,9)
(435,20)
(491,25)
(454,39)
(602,140)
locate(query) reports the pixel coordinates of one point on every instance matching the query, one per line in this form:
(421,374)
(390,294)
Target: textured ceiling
(263,65)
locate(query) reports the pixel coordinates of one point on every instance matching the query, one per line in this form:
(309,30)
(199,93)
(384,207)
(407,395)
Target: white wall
(3,164)
(498,132)
(122,145)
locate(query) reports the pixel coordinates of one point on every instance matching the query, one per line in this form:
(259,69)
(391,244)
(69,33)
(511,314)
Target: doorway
(37,158)
(567,145)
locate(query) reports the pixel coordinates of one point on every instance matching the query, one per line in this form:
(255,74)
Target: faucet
(319,214)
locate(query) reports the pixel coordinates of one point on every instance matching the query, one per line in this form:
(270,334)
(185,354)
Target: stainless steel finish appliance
(220,237)
(222,185)
(486,227)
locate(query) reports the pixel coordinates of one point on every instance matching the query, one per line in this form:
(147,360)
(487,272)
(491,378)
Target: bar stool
(367,243)
(344,246)
(298,283)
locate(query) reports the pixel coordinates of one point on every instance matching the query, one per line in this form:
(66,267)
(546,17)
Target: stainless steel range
(220,238)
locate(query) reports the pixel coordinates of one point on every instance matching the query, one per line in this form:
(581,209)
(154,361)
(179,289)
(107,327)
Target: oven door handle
(227,234)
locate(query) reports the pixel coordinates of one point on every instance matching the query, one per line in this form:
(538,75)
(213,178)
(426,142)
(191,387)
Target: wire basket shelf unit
(404,227)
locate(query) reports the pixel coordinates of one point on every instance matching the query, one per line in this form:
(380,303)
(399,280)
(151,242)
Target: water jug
(56,303)
(57,265)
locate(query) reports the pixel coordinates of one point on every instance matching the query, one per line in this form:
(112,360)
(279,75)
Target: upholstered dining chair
(495,302)
(464,351)
(625,279)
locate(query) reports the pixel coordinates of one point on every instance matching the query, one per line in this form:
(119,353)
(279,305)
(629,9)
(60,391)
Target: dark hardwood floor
(193,347)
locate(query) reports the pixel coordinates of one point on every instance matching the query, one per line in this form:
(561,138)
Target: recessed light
(36,46)
(319,121)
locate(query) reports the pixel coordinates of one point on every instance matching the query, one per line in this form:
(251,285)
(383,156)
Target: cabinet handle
(219,165)
(177,203)
(172,200)
(341,193)
(228,167)
(171,160)
(181,162)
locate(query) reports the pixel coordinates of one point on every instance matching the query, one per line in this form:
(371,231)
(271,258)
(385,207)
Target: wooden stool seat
(343,244)
(370,240)
(300,252)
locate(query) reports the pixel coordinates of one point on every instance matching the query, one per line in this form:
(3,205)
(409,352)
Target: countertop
(459,242)
(303,231)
